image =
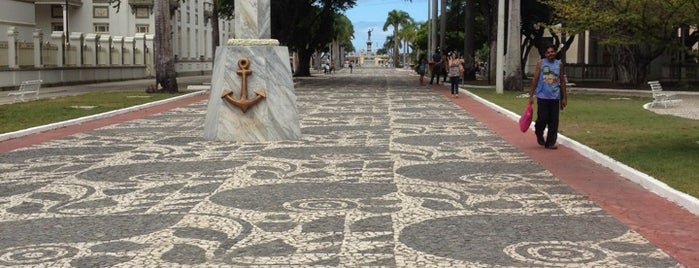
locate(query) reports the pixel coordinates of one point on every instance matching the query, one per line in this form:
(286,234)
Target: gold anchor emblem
(243,103)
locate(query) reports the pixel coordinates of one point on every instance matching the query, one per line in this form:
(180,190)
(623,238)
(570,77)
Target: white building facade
(104,41)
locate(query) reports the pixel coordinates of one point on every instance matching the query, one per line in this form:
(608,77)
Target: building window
(101,28)
(196,19)
(56,11)
(179,15)
(142,28)
(187,17)
(100,12)
(57,27)
(142,12)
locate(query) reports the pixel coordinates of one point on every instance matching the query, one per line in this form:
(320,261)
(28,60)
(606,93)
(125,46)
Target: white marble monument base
(274,118)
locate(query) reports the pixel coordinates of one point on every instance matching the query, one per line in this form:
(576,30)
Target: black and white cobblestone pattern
(387,174)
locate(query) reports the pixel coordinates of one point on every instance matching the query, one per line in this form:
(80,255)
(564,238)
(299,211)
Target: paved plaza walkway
(387,174)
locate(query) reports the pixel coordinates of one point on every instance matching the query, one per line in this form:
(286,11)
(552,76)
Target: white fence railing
(82,58)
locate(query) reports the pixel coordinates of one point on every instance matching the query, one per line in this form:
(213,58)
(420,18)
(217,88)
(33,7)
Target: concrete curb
(77,121)
(660,188)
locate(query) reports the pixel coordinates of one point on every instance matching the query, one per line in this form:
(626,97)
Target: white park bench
(27,87)
(660,96)
(199,87)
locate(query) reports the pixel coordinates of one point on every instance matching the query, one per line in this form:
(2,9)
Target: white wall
(18,14)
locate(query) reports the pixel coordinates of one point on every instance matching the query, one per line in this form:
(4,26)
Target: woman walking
(455,69)
(421,69)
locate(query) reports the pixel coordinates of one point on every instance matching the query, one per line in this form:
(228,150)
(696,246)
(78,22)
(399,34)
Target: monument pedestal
(274,117)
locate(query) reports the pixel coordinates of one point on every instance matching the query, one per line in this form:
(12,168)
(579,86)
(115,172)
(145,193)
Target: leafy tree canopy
(308,24)
(628,22)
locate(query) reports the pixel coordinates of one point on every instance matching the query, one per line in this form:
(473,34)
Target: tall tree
(222,9)
(513,59)
(165,74)
(469,40)
(344,30)
(490,10)
(164,61)
(306,26)
(396,18)
(344,33)
(407,33)
(634,32)
(442,22)
(540,27)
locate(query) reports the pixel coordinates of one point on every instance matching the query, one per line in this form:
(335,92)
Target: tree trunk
(624,64)
(165,74)
(303,68)
(493,45)
(469,36)
(629,64)
(405,53)
(395,45)
(443,23)
(336,55)
(513,57)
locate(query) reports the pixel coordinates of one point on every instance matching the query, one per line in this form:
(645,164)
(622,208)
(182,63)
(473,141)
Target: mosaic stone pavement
(388,174)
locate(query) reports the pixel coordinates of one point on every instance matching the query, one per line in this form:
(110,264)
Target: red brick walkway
(663,223)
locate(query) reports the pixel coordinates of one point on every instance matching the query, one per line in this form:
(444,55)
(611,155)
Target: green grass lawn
(24,115)
(663,146)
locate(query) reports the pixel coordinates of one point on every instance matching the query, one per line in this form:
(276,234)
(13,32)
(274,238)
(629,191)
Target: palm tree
(344,33)
(407,33)
(396,18)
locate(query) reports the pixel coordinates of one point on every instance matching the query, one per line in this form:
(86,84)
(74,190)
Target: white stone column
(76,40)
(140,49)
(104,55)
(116,51)
(12,60)
(128,49)
(253,19)
(38,39)
(252,94)
(59,39)
(90,52)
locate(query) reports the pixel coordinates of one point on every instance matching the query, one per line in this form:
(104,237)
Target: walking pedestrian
(350,66)
(436,65)
(549,87)
(421,69)
(455,70)
(445,67)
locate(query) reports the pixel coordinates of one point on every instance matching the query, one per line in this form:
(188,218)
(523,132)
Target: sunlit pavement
(388,173)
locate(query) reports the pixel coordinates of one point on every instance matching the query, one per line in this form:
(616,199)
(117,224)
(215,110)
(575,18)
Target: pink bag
(526,118)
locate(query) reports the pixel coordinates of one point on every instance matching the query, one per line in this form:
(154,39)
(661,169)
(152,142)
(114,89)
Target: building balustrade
(82,49)
(76,3)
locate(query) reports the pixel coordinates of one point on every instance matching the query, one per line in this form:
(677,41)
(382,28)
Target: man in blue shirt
(549,86)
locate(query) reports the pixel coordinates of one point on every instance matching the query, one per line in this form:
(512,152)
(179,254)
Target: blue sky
(369,14)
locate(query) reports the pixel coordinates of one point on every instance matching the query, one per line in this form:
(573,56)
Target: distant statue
(370,34)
